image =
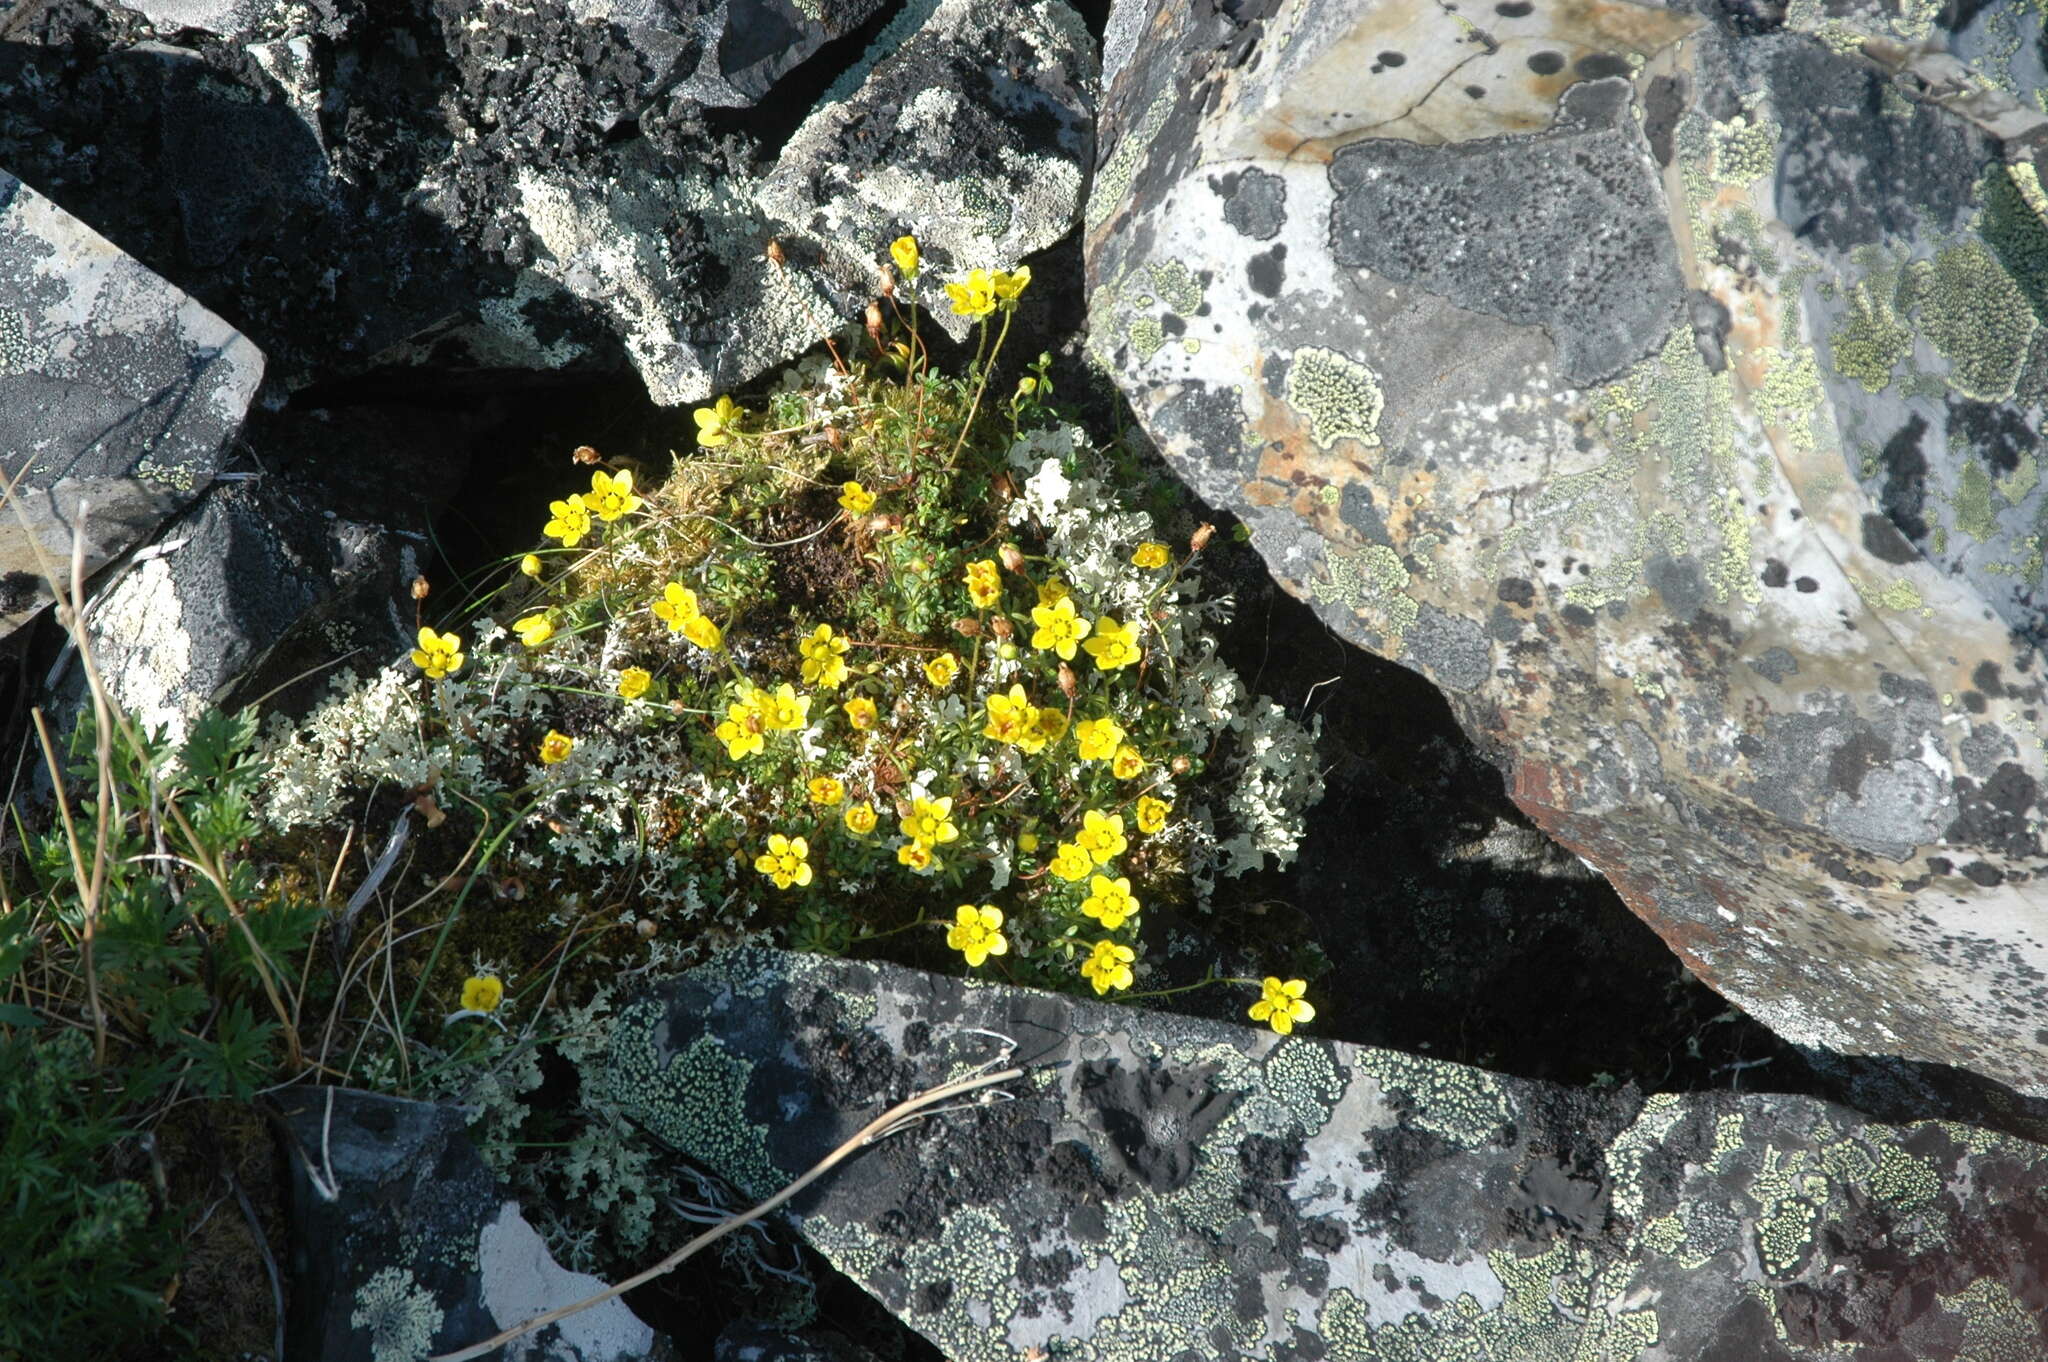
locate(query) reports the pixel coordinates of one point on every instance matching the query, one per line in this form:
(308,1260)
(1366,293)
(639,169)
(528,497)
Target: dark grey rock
(1161,1187)
(118,395)
(402,1245)
(1727,343)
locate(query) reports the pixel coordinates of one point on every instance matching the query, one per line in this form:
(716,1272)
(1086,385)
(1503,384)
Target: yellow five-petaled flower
(861,713)
(746,720)
(856,498)
(714,423)
(676,607)
(903,250)
(482,993)
(534,630)
(1098,739)
(634,681)
(941,670)
(1071,862)
(1059,628)
(1151,554)
(1108,966)
(1152,814)
(977,933)
(438,655)
(974,296)
(826,790)
(930,822)
(786,861)
(555,748)
(611,495)
(570,520)
(1127,763)
(984,583)
(1109,901)
(860,818)
(1114,645)
(1102,835)
(824,654)
(1282,1005)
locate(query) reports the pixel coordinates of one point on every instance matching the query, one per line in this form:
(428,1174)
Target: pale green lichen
(400,1315)
(1976,317)
(1790,395)
(1975,515)
(1374,582)
(1113,181)
(1904,1181)
(1182,290)
(1146,336)
(1896,594)
(2015,485)
(695,1104)
(1465,1106)
(1340,397)
(1871,340)
(1745,147)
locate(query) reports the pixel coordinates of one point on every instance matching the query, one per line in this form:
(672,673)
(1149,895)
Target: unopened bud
(967,628)
(1069,686)
(585,454)
(887,288)
(420,588)
(1199,540)
(645,926)
(1001,628)
(875,321)
(885,524)
(1180,765)
(530,565)
(1012,556)
(1007,652)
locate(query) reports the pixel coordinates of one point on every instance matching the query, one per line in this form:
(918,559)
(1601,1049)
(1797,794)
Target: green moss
(1977,317)
(2010,221)
(1340,397)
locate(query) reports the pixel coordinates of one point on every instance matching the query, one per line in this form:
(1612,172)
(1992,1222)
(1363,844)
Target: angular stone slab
(968,123)
(118,393)
(1667,386)
(1163,1187)
(416,1253)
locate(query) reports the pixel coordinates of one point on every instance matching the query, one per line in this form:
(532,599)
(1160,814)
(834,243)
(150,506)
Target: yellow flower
(1048,725)
(786,861)
(611,495)
(1152,814)
(1008,716)
(826,791)
(941,670)
(1151,555)
(856,498)
(634,681)
(1102,835)
(530,565)
(1108,966)
(984,583)
(438,655)
(1007,284)
(701,631)
(1059,629)
(533,630)
(824,657)
(1098,739)
(1127,762)
(1027,842)
(571,520)
(1282,1005)
(977,933)
(1071,862)
(974,296)
(555,748)
(714,423)
(903,250)
(860,818)
(1109,901)
(1052,591)
(785,710)
(677,606)
(930,822)
(743,725)
(916,855)
(861,713)
(1114,645)
(482,993)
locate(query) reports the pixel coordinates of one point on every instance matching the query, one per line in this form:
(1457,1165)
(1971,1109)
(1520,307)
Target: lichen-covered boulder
(1665,384)
(118,395)
(1160,1187)
(969,123)
(402,1246)
(726,53)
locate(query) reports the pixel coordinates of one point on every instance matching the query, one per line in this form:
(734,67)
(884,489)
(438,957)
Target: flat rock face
(416,1252)
(1161,1187)
(118,394)
(1664,384)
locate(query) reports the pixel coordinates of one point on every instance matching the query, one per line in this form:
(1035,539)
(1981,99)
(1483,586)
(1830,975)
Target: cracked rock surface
(1666,385)
(1162,1187)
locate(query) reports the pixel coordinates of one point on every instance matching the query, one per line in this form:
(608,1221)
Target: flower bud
(1012,556)
(1180,765)
(420,588)
(1069,687)
(1007,652)
(1002,628)
(1199,540)
(530,565)
(967,628)
(585,454)
(887,287)
(645,926)
(874,316)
